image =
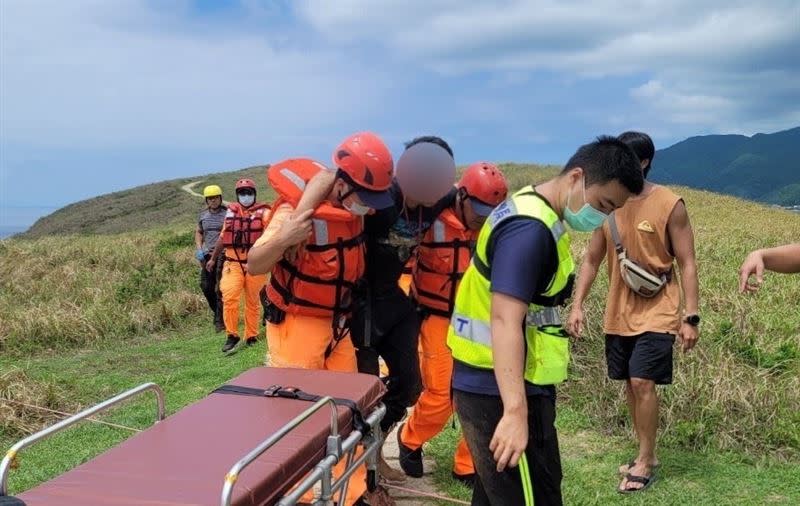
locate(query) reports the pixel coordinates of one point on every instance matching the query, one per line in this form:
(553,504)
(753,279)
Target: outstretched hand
(753,266)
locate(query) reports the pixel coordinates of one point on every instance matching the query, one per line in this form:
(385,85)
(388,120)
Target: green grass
(590,461)
(188,364)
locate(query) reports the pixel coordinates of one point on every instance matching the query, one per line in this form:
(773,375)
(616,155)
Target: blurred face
(213,203)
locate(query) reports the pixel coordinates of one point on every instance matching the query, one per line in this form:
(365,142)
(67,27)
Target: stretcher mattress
(183,460)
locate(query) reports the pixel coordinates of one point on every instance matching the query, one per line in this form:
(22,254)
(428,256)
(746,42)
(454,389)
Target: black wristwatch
(692,319)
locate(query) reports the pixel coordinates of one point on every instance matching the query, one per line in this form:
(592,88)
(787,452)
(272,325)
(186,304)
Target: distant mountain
(764,167)
(144,207)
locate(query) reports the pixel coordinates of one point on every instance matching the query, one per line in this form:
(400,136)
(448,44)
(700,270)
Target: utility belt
(276,316)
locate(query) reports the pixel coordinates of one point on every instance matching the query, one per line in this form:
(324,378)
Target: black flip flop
(633,463)
(644,480)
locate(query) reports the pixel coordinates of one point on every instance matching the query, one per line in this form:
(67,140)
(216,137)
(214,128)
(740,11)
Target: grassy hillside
(144,207)
(84,316)
(763,167)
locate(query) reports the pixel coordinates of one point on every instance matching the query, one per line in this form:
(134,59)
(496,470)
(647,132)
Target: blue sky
(101,95)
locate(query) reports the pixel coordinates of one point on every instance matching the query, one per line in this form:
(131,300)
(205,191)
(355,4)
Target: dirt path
(424,484)
(189,188)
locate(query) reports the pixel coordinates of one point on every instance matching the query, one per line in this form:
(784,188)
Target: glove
(199,255)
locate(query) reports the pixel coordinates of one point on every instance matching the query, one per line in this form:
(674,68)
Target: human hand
(687,336)
(510,439)
(753,265)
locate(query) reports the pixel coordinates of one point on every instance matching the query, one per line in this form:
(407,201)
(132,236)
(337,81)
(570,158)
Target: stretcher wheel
(372,480)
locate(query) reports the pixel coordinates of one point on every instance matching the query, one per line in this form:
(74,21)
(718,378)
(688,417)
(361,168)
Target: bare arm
(784,259)
(681,237)
(316,191)
(508,349)
(591,264)
(281,234)
(198,237)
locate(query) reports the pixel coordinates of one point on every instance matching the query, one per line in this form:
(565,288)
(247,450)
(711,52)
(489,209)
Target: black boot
(467,479)
(230,344)
(251,341)
(410,460)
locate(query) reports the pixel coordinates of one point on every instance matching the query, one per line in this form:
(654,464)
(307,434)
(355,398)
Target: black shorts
(646,356)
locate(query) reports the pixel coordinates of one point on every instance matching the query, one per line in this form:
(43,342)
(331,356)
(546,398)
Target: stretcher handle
(321,472)
(233,474)
(11,455)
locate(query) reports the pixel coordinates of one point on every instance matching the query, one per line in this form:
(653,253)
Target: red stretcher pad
(183,460)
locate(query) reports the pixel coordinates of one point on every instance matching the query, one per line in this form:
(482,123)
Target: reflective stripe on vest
(469,334)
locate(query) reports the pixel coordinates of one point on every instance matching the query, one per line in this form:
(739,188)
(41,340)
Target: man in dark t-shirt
(384,321)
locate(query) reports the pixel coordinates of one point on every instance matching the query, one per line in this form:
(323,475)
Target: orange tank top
(642,224)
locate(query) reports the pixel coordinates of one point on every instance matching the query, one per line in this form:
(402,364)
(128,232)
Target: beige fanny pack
(638,279)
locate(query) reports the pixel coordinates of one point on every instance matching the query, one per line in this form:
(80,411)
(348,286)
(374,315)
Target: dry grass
(18,395)
(60,292)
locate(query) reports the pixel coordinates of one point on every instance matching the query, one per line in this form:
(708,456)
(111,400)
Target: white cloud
(104,74)
(714,61)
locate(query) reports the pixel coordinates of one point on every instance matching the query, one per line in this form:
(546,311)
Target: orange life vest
(320,281)
(443,256)
(243,227)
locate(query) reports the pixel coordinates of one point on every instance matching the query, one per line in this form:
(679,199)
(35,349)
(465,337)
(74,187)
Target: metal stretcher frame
(322,472)
(11,454)
(338,446)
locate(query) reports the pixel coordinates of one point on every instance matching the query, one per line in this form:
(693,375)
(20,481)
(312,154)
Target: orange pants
(434,406)
(301,341)
(234,281)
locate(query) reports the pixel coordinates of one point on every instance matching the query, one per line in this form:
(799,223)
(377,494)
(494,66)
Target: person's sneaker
(410,460)
(230,344)
(219,327)
(251,341)
(466,479)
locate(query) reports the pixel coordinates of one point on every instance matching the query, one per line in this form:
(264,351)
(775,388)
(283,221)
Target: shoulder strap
(359,422)
(612,226)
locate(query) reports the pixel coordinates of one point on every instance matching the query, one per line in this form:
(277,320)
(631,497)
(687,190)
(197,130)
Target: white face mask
(356,208)
(247,200)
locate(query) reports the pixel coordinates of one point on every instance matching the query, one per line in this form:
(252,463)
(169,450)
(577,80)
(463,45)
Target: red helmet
(485,182)
(366,160)
(245,183)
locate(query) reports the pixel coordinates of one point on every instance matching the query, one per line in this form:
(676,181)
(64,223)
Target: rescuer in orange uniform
(308,298)
(244,224)
(441,260)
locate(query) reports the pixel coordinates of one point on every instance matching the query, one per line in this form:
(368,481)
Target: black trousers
(394,337)
(209,284)
(479,415)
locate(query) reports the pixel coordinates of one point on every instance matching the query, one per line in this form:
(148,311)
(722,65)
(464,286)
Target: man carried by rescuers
(506,336)
(244,223)
(308,298)
(385,322)
(784,259)
(641,242)
(441,260)
(206,235)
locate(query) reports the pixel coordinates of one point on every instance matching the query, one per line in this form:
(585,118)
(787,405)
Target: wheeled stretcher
(265,438)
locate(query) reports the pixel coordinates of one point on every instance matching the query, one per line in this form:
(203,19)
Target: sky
(102,95)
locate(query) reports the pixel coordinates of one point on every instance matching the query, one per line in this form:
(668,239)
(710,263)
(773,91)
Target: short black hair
(433,140)
(642,145)
(607,159)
